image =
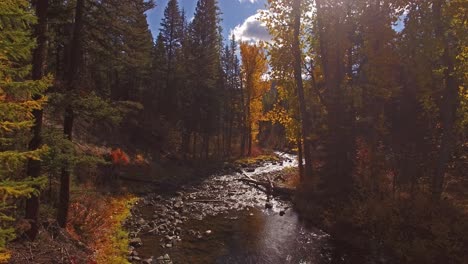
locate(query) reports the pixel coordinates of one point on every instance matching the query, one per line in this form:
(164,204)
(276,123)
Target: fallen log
(270,187)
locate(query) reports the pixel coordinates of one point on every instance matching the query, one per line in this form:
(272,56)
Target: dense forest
(369,95)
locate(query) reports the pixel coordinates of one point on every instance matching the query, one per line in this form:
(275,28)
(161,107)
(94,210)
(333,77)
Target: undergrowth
(97,221)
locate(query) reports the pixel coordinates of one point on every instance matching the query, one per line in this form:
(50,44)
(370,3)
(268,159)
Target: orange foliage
(87,218)
(119,157)
(93,220)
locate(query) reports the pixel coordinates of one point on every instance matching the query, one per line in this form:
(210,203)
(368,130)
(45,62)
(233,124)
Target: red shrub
(119,157)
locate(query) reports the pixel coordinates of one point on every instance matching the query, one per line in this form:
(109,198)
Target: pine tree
(205,43)
(172,27)
(231,94)
(119,48)
(16,105)
(159,71)
(38,72)
(72,79)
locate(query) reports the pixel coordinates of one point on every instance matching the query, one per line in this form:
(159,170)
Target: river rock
(208,232)
(148,261)
(178,205)
(168,238)
(164,259)
(281,213)
(136,242)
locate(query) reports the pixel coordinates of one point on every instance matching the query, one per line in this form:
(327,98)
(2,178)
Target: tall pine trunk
(71,82)
(38,72)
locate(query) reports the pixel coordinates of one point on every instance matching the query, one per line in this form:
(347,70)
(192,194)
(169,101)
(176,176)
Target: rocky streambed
(225,220)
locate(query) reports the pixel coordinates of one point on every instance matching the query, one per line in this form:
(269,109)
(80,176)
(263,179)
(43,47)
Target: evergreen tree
(231,92)
(205,45)
(17,93)
(38,72)
(72,85)
(171,31)
(119,48)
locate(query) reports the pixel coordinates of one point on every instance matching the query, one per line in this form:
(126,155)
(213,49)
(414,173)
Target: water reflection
(253,236)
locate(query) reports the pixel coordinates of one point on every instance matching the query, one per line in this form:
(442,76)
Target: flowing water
(223,220)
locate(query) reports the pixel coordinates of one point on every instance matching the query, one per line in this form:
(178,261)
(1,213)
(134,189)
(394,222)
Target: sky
(238,17)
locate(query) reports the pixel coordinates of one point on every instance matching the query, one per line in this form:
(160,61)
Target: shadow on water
(232,226)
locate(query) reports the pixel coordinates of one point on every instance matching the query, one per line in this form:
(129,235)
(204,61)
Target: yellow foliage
(113,246)
(254,67)
(4,257)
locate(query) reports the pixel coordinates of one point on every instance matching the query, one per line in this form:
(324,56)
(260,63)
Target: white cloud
(252,30)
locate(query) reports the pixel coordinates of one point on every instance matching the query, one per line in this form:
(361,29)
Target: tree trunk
(305,118)
(38,72)
(72,78)
(194,147)
(249,137)
(185,143)
(64,196)
(249,122)
(206,145)
(449,105)
(341,138)
(229,134)
(300,156)
(243,120)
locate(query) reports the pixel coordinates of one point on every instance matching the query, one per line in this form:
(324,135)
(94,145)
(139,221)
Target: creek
(224,220)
